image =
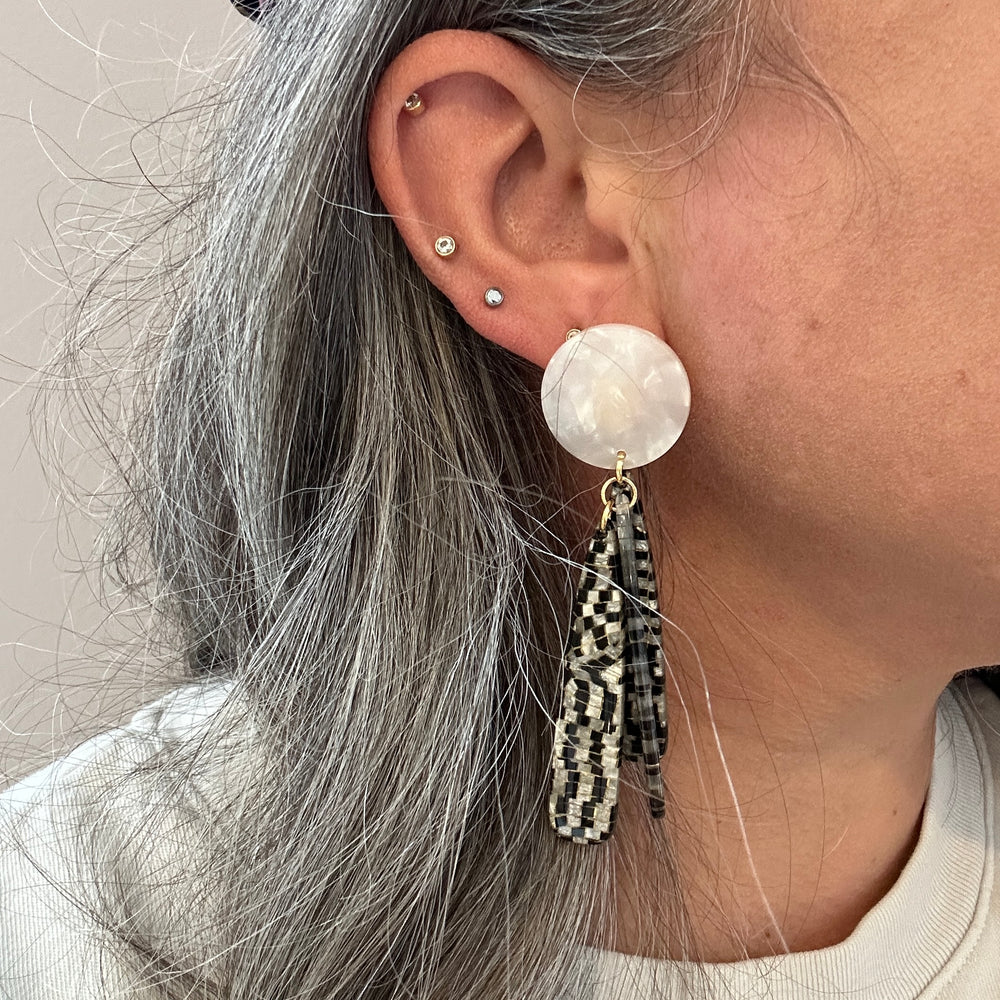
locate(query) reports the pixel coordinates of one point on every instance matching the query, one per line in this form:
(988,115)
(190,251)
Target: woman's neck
(796,782)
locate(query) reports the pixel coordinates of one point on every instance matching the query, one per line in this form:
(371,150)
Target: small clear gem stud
(444,246)
(414,104)
(493,297)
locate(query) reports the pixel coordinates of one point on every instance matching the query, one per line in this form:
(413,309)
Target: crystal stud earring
(444,246)
(414,104)
(494,297)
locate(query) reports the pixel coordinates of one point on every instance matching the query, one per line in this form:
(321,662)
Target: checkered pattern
(605,704)
(588,740)
(641,711)
(632,744)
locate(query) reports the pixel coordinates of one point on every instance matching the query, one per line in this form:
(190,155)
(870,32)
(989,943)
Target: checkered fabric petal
(586,754)
(632,743)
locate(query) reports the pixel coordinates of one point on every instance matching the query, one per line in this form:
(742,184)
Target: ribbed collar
(928,920)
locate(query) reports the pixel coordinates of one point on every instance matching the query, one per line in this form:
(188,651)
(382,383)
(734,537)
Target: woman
(364,534)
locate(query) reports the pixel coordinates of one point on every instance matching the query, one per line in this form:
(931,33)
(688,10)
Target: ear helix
(612,395)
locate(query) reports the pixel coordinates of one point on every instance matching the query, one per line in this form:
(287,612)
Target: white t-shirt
(934,936)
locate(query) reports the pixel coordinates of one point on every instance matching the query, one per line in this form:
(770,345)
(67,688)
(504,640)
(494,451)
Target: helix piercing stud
(414,104)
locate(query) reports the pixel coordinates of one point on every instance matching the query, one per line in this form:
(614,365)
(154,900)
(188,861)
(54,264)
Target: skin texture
(830,281)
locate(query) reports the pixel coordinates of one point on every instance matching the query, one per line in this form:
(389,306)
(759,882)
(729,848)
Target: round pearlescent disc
(616,386)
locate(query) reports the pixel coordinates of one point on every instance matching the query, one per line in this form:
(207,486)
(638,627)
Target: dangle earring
(616,396)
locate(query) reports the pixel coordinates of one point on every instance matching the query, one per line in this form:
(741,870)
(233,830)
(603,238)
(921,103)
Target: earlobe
(493,158)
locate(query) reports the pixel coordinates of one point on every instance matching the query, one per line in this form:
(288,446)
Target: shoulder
(49,821)
(176,714)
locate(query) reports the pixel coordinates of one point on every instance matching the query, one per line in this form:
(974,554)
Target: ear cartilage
(494,297)
(444,246)
(414,104)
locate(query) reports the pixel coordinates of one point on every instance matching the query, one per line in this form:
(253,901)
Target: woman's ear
(498,158)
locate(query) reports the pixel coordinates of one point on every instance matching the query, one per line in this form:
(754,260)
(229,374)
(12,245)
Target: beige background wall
(66,68)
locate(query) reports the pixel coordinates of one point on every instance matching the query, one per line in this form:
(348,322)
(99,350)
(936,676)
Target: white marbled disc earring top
(616,386)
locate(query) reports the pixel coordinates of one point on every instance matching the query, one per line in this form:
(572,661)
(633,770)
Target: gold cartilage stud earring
(414,104)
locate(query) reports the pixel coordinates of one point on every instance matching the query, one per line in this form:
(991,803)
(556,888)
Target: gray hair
(340,497)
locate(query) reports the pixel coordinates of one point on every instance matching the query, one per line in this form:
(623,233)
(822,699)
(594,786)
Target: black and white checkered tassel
(646,715)
(614,697)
